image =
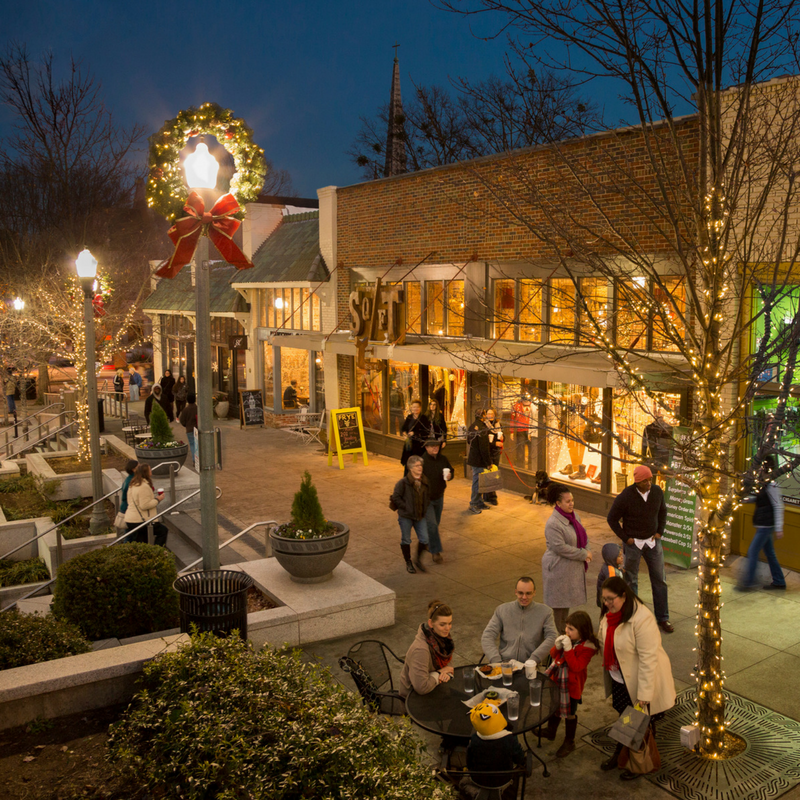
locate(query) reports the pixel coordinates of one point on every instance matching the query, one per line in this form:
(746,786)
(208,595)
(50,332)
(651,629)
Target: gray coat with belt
(562,564)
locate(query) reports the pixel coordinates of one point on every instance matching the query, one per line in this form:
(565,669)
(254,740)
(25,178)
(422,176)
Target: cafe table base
(443,712)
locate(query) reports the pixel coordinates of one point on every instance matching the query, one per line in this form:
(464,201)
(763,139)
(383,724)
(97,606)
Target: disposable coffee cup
(446,473)
(160,493)
(530,669)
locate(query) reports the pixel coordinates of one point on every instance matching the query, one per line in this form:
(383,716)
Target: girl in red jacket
(571,656)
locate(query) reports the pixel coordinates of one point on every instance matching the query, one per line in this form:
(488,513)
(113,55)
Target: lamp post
(201,170)
(86,266)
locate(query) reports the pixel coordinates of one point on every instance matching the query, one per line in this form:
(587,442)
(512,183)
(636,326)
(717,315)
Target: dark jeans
(433,517)
(419,525)
(763,541)
(475,497)
(654,558)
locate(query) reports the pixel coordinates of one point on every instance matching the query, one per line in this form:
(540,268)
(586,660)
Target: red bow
(218,224)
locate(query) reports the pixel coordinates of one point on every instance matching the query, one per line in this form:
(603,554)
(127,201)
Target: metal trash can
(214,601)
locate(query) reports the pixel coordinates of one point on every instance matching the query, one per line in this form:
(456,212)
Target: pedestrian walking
(188,419)
(638,516)
(167,385)
(410,499)
(415,431)
(768,521)
(119,385)
(437,469)
(134,384)
(181,392)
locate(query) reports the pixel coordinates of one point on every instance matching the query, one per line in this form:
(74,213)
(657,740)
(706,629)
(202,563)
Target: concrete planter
(153,456)
(311,560)
(221,409)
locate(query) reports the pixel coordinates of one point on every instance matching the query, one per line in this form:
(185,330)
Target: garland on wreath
(166,192)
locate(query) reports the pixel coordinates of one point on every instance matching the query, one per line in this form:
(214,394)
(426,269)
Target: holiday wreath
(165,190)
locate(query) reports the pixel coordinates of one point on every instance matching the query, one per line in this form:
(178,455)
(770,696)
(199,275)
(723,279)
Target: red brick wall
(456,212)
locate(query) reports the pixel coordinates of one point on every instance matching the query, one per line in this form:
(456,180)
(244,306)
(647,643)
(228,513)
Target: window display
(294,367)
(513,400)
(448,387)
(369,394)
(760,419)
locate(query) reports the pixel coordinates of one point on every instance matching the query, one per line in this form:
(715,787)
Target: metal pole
(99,521)
(205,417)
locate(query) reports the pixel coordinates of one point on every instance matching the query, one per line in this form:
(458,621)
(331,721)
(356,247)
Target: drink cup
(513,706)
(507,668)
(446,473)
(160,493)
(469,680)
(530,670)
(535,688)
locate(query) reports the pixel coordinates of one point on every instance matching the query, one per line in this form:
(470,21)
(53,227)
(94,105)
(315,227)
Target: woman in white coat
(567,557)
(636,666)
(142,503)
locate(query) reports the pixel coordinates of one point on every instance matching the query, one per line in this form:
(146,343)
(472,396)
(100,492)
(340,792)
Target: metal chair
(517,777)
(367,663)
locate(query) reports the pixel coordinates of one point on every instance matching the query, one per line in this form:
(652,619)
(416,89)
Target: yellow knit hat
(487,719)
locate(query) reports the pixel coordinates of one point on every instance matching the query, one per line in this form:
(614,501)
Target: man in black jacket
(638,516)
(437,469)
(479,457)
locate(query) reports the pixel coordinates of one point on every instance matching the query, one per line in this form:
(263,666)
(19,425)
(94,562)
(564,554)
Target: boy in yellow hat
(492,747)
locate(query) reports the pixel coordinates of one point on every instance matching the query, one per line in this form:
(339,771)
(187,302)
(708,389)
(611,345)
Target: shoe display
(598,478)
(566,470)
(775,586)
(580,474)
(666,626)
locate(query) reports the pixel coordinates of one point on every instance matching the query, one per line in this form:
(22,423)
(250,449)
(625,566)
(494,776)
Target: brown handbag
(646,760)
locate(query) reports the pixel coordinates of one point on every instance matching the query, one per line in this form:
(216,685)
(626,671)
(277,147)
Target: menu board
(681,530)
(251,408)
(346,434)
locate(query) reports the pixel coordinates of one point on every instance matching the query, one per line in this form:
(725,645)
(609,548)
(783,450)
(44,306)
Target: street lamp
(86,267)
(201,170)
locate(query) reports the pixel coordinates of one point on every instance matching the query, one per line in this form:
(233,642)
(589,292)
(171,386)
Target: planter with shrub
(27,639)
(162,446)
(118,592)
(309,547)
(217,719)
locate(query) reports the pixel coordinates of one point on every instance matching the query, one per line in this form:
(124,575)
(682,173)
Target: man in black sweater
(479,458)
(437,468)
(638,516)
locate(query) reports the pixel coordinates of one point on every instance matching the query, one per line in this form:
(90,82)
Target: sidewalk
(483,556)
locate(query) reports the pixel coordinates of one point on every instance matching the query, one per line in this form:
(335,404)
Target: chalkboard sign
(680,532)
(346,434)
(251,408)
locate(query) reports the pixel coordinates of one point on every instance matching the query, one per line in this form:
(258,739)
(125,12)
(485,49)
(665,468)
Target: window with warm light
(434,307)
(455,308)
(594,317)
(531,305)
(669,313)
(518,309)
(292,309)
(562,311)
(632,313)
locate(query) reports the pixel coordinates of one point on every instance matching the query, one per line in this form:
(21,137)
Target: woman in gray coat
(567,557)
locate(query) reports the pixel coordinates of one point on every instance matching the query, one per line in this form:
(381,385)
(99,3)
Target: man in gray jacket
(521,629)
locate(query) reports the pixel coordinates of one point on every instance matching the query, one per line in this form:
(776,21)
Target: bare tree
(441,126)
(686,220)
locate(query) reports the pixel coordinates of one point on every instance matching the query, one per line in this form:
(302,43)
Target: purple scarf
(580,532)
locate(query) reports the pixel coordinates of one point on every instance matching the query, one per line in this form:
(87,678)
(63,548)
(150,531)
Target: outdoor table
(443,712)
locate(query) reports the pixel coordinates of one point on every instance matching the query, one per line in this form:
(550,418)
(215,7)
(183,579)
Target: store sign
(378,313)
(680,534)
(237,342)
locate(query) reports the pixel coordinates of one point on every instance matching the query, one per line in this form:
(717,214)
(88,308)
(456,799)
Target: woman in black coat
(438,426)
(167,385)
(415,431)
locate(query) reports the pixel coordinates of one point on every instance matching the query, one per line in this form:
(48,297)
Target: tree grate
(768,767)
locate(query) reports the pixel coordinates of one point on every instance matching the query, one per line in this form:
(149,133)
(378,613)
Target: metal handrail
(66,519)
(111,544)
(229,541)
(36,413)
(49,433)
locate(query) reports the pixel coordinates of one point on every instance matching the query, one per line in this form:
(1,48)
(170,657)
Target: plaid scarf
(558,671)
(441,648)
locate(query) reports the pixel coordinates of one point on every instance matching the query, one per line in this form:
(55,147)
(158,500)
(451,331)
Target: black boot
(552,726)
(571,725)
(611,763)
(406,548)
(418,563)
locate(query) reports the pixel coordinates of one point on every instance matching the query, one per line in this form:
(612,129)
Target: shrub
(118,591)
(218,720)
(27,639)
(160,429)
(308,521)
(32,570)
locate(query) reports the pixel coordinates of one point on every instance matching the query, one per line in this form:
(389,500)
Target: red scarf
(609,654)
(441,647)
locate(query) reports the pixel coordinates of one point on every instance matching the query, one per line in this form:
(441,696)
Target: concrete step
(184,540)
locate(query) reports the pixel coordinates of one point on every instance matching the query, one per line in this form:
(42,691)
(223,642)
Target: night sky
(300,73)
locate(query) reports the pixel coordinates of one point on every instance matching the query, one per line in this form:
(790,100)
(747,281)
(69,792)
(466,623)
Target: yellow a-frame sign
(346,434)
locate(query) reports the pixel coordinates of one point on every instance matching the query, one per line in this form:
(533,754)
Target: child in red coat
(571,656)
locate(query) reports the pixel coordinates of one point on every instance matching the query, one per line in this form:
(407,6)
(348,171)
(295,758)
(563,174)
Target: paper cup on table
(530,669)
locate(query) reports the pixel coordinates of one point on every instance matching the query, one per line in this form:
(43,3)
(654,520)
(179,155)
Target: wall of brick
(500,208)
(344,376)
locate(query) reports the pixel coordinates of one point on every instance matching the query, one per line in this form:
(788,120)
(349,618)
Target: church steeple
(395,143)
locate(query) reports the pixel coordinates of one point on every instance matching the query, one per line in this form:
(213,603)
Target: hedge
(29,639)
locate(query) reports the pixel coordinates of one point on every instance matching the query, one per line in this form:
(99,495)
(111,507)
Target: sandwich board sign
(346,435)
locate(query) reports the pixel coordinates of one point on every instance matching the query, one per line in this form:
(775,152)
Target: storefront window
(504,309)
(531,296)
(594,318)
(291,308)
(369,394)
(788,440)
(671,307)
(406,377)
(562,311)
(632,315)
(448,388)
(513,401)
(455,308)
(434,307)
(413,307)
(269,385)
(294,367)
(319,382)
(316,313)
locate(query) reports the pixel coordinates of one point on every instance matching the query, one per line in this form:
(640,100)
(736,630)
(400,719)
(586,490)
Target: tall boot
(418,563)
(552,726)
(612,763)
(571,725)
(406,548)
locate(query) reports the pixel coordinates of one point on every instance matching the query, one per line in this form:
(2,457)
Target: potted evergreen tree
(309,547)
(162,445)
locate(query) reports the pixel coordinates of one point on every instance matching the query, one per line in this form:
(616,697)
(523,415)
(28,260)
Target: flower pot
(221,408)
(153,456)
(311,560)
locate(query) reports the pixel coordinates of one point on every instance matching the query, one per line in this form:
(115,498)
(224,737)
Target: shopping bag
(490,481)
(644,761)
(630,728)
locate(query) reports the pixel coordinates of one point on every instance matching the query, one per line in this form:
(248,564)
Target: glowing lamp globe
(201,168)
(19,304)
(86,265)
